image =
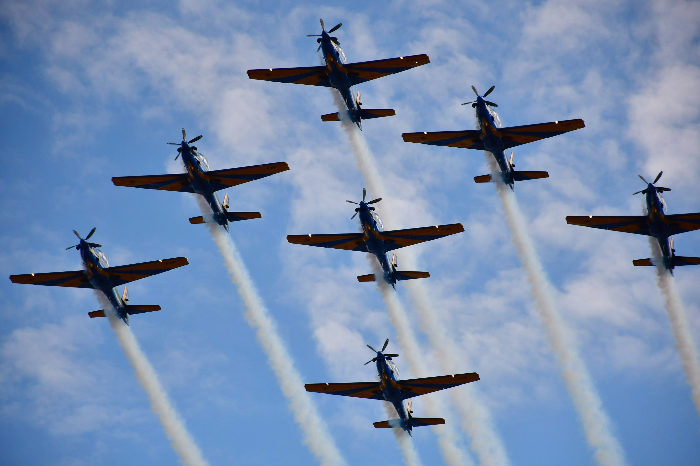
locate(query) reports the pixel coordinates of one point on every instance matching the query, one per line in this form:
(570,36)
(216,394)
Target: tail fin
(132,309)
(482,179)
(415,422)
(331,117)
(524,176)
(236,216)
(368,114)
(366,278)
(409,275)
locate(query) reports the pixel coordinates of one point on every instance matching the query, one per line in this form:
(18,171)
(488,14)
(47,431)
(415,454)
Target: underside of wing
(132,272)
(311,76)
(627,224)
(469,139)
(347,241)
(370,390)
(681,223)
(518,135)
(77,279)
(178,182)
(369,70)
(222,179)
(401,238)
(416,387)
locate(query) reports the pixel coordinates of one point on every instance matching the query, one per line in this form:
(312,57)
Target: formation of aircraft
(390,388)
(656,223)
(338,74)
(489,136)
(100,276)
(375,240)
(200,180)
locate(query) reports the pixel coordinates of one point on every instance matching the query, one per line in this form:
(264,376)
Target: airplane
(390,388)
(378,242)
(656,223)
(200,180)
(489,136)
(338,74)
(100,276)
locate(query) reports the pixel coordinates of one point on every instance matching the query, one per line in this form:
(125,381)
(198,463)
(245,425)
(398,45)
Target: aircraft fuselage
(492,141)
(334,58)
(658,225)
(95,262)
(371,225)
(389,376)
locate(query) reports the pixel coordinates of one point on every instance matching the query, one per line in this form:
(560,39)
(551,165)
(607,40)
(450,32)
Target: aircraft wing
(401,238)
(470,139)
(132,272)
(77,279)
(627,224)
(312,76)
(517,135)
(416,387)
(347,241)
(371,390)
(368,70)
(222,179)
(178,182)
(681,223)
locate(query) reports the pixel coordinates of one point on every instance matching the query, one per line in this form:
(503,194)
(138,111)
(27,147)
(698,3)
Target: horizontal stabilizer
(681,260)
(366,278)
(426,421)
(642,262)
(482,179)
(132,309)
(331,117)
(100,313)
(197,220)
(391,423)
(408,275)
(524,176)
(236,216)
(368,114)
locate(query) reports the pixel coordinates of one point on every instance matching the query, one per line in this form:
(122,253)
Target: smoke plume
(408,451)
(316,436)
(182,442)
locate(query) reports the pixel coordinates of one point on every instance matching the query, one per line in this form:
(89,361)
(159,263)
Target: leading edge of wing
(396,239)
(361,72)
(311,76)
(637,225)
(221,179)
(72,279)
(176,182)
(128,273)
(416,387)
(347,241)
(517,135)
(370,390)
(469,139)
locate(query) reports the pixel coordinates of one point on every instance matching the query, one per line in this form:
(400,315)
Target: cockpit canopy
(376,218)
(202,160)
(101,258)
(393,368)
(339,51)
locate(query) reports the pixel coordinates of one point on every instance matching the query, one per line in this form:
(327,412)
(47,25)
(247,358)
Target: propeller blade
(475,92)
(319,48)
(658,176)
(335,28)
(386,343)
(313,35)
(490,103)
(353,216)
(391,355)
(323,26)
(371,360)
(178,155)
(489,91)
(375,200)
(195,139)
(351,202)
(184,135)
(643,179)
(173,143)
(71,247)
(92,232)
(94,245)
(467,103)
(637,192)
(364,194)
(372,349)
(76,234)
(663,189)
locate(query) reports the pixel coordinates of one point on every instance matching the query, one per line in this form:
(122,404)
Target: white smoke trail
(408,451)
(679,323)
(316,435)
(596,425)
(180,439)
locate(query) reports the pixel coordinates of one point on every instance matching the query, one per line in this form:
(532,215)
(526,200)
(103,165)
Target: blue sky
(91,90)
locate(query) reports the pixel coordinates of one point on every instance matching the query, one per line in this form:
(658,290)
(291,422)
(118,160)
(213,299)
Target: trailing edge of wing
(366,71)
(517,135)
(682,223)
(370,390)
(222,179)
(312,76)
(132,272)
(396,239)
(76,279)
(347,241)
(637,225)
(177,182)
(416,387)
(469,139)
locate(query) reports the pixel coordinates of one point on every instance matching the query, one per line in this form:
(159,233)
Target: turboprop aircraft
(100,276)
(200,180)
(378,242)
(489,136)
(656,223)
(338,74)
(395,391)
